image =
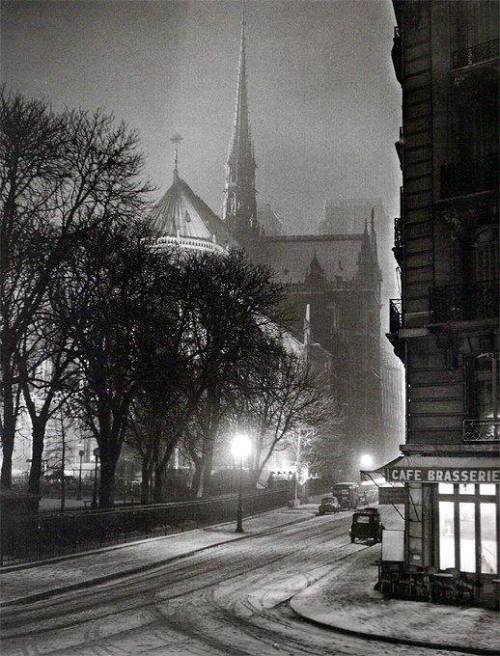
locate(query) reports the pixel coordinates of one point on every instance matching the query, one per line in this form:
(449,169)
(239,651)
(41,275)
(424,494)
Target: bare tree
(283,400)
(60,176)
(233,311)
(110,282)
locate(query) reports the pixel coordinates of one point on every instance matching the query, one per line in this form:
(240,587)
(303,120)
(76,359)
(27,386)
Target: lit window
(446,535)
(466,488)
(467,538)
(489,555)
(487,489)
(445,488)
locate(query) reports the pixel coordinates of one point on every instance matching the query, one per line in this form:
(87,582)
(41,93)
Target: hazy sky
(324,101)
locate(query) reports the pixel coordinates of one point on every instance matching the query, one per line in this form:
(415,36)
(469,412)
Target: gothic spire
(240,147)
(239,203)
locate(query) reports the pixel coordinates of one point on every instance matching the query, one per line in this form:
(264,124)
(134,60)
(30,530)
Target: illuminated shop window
(446,534)
(468,527)
(489,547)
(467,537)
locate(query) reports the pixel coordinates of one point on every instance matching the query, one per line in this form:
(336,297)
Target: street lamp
(366,461)
(97,453)
(240,447)
(81,453)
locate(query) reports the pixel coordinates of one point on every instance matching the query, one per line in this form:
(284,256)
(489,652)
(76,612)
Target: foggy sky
(324,101)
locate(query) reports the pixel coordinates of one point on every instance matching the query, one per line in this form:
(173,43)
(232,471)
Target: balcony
(475,54)
(398,248)
(464,303)
(397,55)
(469,177)
(481,430)
(395,315)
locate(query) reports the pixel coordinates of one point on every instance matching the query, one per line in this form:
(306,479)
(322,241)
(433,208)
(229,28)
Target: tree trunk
(38,437)
(159,484)
(9,424)
(107,479)
(196,489)
(145,483)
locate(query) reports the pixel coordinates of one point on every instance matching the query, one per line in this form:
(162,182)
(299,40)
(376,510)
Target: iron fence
(481,430)
(34,536)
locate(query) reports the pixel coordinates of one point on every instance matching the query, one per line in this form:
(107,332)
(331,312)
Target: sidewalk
(46,578)
(345,600)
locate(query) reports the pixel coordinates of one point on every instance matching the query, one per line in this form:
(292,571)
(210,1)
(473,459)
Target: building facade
(445,328)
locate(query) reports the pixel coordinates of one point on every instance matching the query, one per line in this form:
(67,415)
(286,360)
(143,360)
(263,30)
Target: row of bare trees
(148,348)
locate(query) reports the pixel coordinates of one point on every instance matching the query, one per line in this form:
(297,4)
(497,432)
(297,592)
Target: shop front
(452,529)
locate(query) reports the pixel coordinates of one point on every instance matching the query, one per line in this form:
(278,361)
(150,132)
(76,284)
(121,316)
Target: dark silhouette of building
(445,328)
(337,274)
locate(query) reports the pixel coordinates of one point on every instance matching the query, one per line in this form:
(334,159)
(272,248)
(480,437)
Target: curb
(41,596)
(398,641)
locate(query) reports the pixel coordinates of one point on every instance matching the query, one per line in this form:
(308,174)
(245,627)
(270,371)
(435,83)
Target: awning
(443,469)
(378,475)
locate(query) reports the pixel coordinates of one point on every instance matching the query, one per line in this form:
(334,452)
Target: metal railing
(481,430)
(469,176)
(395,315)
(475,54)
(464,302)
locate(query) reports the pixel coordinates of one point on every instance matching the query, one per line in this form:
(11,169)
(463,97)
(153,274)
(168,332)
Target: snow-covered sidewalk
(346,600)
(43,579)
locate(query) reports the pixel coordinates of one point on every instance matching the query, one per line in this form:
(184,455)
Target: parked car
(328,504)
(366,525)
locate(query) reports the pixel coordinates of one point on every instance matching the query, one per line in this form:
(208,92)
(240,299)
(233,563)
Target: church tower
(239,209)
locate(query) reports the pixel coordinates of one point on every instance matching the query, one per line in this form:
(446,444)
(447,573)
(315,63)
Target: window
(446,535)
(467,537)
(483,386)
(485,255)
(489,547)
(467,527)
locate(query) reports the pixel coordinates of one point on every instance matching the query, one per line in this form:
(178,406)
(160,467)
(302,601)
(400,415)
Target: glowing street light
(366,461)
(240,448)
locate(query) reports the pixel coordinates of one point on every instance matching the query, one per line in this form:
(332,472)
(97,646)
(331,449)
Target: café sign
(442,475)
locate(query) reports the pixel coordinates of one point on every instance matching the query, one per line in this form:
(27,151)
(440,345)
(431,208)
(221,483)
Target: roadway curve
(228,600)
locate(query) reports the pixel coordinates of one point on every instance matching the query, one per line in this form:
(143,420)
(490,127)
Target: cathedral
(337,275)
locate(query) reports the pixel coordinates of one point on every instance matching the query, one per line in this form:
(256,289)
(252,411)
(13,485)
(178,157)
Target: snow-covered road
(228,600)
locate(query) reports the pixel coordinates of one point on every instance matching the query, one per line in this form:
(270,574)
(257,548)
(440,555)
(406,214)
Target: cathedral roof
(181,213)
(291,256)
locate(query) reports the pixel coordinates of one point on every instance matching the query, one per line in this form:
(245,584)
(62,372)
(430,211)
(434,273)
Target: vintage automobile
(366,525)
(328,504)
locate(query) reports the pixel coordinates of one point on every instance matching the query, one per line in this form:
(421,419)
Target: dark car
(328,504)
(366,525)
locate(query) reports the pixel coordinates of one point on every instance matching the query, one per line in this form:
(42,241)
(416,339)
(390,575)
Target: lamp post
(97,453)
(240,447)
(81,453)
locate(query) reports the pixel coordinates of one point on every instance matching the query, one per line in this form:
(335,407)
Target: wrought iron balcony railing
(475,54)
(398,248)
(464,303)
(395,315)
(481,430)
(469,176)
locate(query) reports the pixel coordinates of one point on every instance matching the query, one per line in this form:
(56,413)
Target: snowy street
(230,599)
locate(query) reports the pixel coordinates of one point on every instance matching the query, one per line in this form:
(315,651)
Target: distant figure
(270,481)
